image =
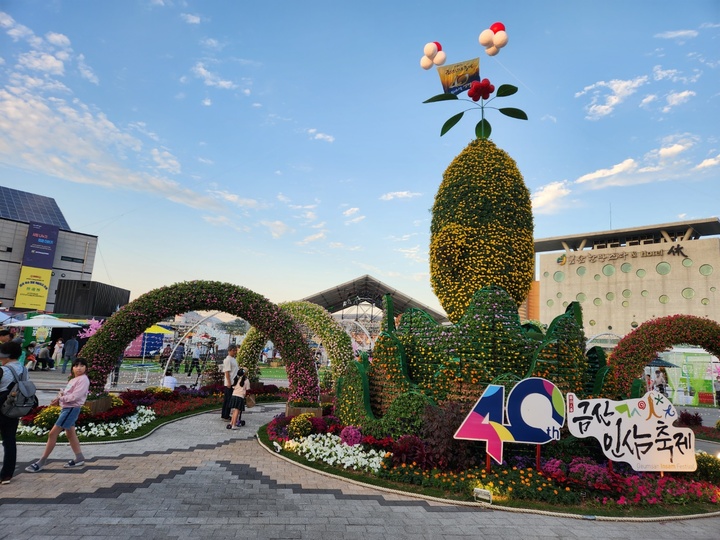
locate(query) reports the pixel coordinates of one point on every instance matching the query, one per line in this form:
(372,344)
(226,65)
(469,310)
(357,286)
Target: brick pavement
(194,478)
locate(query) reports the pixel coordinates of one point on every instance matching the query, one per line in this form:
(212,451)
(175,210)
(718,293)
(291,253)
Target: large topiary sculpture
(482,229)
(103,348)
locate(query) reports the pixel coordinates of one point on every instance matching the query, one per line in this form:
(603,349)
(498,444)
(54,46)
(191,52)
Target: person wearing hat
(9,356)
(30,360)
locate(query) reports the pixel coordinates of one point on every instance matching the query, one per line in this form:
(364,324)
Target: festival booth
(150,342)
(691,383)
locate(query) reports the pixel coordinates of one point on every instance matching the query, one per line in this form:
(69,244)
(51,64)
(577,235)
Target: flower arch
(110,341)
(640,346)
(335,340)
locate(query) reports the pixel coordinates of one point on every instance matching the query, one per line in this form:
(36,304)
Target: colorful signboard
(457,78)
(40,246)
(534,414)
(636,431)
(33,288)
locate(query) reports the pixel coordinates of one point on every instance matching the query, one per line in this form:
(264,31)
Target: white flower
(124,426)
(331,450)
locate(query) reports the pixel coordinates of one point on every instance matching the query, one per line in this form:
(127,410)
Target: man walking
(70,351)
(230,370)
(9,355)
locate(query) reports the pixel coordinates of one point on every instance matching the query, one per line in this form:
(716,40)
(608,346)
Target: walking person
(9,355)
(237,401)
(230,371)
(195,362)
(716,387)
(69,352)
(71,400)
(56,354)
(178,356)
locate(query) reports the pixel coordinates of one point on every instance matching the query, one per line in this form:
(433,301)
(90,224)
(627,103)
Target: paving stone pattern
(195,479)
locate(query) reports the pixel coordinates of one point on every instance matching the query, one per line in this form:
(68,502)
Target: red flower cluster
(480,89)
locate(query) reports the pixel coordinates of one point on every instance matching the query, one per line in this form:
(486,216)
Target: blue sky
(284,146)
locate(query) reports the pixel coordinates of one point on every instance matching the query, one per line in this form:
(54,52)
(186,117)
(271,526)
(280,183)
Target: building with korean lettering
(625,277)
(38,250)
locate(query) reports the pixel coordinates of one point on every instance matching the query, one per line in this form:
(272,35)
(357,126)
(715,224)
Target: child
(71,400)
(237,401)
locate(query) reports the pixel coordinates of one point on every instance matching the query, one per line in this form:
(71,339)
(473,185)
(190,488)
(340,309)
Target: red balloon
(497,27)
(440,46)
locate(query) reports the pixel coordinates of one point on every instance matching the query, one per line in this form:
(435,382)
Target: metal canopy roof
(368,289)
(700,227)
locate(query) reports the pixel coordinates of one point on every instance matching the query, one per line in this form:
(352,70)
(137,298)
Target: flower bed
(579,482)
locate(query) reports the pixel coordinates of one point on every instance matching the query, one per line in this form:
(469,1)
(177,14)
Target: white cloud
(350,212)
(207,102)
(677,98)
(607,95)
(680,35)
(190,18)
(59,40)
(318,136)
(312,238)
(41,61)
(354,220)
(283,198)
(414,254)
(647,100)
(210,78)
(399,195)
(606,175)
(85,71)
(277,228)
(211,43)
(235,199)
(709,162)
(548,199)
(166,161)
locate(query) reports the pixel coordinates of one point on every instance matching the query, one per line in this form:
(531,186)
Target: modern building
(625,277)
(37,250)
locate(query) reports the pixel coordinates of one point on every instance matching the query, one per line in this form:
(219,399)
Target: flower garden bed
(571,482)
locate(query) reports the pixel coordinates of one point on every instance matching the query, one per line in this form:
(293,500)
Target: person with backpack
(9,355)
(71,400)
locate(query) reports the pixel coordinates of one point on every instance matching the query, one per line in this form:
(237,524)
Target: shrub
(405,416)
(351,435)
(439,424)
(410,450)
(687,418)
(300,426)
(708,468)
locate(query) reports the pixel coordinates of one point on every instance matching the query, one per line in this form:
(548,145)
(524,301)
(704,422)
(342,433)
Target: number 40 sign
(534,414)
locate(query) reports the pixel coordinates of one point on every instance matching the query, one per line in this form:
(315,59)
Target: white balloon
(492,51)
(486,37)
(426,63)
(430,50)
(500,39)
(440,58)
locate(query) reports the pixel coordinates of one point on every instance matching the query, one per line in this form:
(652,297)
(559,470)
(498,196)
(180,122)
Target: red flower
(480,89)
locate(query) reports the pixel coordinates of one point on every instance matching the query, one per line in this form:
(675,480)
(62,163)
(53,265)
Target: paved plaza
(195,479)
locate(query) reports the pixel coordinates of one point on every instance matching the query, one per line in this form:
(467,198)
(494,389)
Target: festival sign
(636,431)
(535,414)
(40,245)
(456,78)
(33,288)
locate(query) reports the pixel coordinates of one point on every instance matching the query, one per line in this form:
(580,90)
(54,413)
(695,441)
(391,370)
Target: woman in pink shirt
(71,400)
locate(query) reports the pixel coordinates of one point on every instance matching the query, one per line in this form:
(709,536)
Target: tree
(238,327)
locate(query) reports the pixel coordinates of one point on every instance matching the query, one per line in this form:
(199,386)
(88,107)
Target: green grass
(273,373)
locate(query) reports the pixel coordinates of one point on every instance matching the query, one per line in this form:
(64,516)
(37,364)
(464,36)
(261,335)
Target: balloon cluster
(480,89)
(494,38)
(433,55)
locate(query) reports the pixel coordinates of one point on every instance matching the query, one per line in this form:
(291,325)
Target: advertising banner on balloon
(457,78)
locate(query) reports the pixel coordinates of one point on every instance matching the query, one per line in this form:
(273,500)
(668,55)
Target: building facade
(625,277)
(73,253)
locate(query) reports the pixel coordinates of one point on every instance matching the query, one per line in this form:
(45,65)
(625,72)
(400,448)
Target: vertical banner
(37,263)
(33,288)
(40,246)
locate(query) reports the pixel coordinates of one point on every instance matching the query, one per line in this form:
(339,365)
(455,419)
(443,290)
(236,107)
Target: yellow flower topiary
(482,229)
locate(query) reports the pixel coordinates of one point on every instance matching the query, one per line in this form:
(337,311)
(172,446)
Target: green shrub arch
(332,336)
(103,349)
(639,347)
